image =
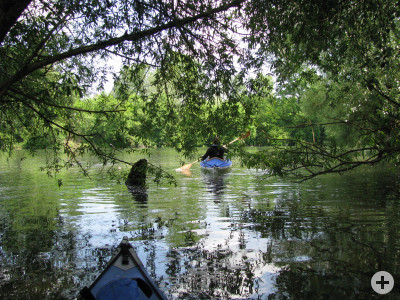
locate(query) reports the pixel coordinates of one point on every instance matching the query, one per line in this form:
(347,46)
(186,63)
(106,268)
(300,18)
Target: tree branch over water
(191,71)
(104,44)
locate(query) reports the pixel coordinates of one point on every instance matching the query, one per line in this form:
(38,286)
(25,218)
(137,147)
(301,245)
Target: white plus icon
(382,282)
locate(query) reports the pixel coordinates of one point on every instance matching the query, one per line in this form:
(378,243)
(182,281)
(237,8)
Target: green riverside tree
(203,55)
(341,61)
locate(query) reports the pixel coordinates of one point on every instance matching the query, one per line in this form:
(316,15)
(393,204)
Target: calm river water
(230,236)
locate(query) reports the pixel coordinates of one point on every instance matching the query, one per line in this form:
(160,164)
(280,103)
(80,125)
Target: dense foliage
(195,69)
(352,104)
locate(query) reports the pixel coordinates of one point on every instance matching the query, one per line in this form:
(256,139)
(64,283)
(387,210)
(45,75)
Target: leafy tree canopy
(195,61)
(351,97)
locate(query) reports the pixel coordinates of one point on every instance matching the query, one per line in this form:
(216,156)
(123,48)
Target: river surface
(229,236)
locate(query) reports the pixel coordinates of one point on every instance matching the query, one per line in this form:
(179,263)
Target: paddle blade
(246,135)
(242,137)
(186,167)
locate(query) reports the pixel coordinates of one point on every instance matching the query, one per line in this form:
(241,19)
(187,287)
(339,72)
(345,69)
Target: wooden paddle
(188,166)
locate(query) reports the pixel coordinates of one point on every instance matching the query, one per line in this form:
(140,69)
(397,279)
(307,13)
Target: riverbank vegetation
(316,80)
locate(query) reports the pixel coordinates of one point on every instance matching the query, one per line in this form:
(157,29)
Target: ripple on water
(232,236)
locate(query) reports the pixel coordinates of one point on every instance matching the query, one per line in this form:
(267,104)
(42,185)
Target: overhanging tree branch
(132,37)
(27,96)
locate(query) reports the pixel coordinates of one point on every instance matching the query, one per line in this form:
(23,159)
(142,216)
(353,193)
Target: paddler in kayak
(215,150)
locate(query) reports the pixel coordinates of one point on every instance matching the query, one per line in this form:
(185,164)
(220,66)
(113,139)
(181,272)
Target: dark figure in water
(136,181)
(137,175)
(215,150)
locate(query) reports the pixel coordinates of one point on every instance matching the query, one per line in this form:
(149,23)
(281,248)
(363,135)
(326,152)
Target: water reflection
(215,182)
(138,193)
(186,172)
(212,237)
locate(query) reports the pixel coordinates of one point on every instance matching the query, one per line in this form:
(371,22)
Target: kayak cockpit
(216,163)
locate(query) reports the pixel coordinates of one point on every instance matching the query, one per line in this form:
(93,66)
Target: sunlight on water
(214,236)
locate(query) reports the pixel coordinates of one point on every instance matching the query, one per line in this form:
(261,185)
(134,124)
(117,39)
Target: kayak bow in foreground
(123,278)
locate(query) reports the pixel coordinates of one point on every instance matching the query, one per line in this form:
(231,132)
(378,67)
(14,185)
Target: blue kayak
(124,277)
(216,164)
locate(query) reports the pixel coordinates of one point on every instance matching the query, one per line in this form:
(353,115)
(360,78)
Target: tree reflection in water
(223,237)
